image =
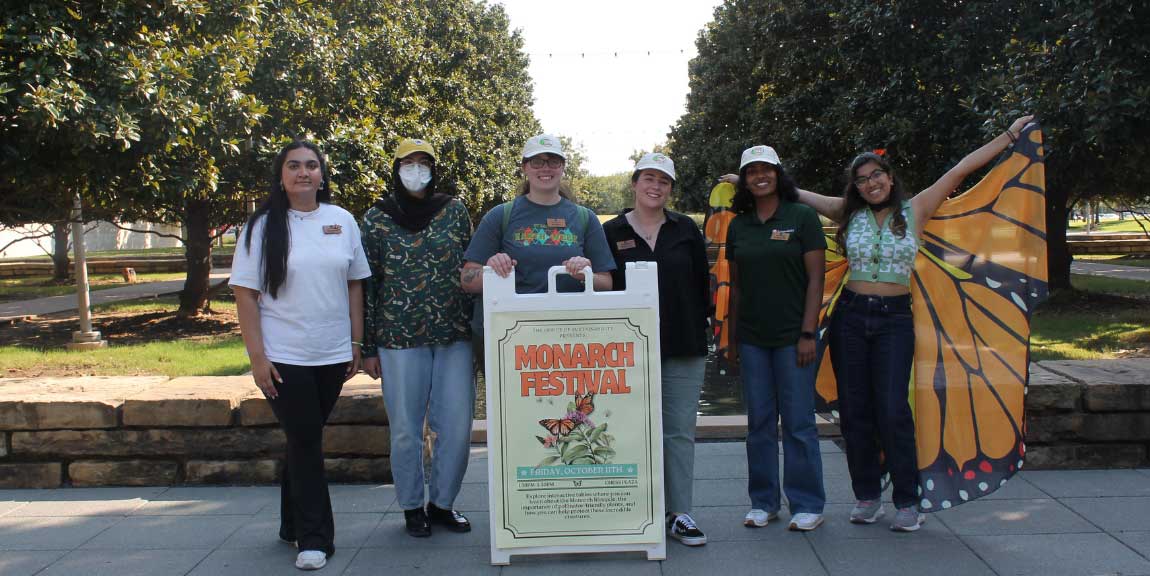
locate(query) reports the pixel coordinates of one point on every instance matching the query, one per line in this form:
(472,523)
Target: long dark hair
(855,202)
(276,242)
(744,201)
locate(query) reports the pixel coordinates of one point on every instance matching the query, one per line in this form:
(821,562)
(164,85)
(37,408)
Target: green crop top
(881,255)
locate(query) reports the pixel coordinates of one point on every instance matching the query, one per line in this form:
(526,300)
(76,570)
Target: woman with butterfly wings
(650,232)
(871,332)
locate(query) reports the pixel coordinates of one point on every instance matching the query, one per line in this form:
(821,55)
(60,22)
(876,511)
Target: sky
(612,75)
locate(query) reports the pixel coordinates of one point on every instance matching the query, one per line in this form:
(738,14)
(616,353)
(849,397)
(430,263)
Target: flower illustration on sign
(574,438)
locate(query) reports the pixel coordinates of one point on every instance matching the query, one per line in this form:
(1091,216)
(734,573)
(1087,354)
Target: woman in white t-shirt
(296,275)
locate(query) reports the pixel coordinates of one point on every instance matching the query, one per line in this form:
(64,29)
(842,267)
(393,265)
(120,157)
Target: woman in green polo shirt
(775,247)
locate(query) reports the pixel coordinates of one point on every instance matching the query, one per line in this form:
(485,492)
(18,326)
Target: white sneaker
(805,521)
(757,518)
(311,560)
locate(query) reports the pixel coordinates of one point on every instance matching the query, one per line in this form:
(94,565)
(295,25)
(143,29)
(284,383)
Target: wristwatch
(807,335)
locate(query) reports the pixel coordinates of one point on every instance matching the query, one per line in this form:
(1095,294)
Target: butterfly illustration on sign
(575,438)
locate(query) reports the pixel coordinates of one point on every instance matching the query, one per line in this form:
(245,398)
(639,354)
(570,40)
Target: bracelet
(360,344)
(1013,138)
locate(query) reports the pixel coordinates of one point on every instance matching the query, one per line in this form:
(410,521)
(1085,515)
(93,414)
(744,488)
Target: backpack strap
(506,218)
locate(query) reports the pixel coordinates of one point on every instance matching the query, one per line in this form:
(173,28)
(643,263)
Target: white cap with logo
(656,161)
(760,153)
(543,144)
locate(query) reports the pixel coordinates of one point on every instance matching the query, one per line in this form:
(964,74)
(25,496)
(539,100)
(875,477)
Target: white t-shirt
(309,323)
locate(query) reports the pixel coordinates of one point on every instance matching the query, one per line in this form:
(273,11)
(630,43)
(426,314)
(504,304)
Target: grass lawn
(212,357)
(42,286)
(1091,323)
(144,338)
(1109,226)
(1139,260)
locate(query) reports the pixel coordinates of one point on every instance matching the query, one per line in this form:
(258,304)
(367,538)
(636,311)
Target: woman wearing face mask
(417,334)
(871,335)
(296,277)
(539,229)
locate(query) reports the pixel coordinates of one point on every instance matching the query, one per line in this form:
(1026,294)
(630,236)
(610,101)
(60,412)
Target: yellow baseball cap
(410,146)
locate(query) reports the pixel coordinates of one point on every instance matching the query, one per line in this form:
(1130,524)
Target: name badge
(556,222)
(625,244)
(783,235)
(333,229)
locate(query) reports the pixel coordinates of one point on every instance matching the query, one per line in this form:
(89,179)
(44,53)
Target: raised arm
(927,202)
(827,206)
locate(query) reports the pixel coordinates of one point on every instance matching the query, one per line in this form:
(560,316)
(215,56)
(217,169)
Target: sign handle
(554,272)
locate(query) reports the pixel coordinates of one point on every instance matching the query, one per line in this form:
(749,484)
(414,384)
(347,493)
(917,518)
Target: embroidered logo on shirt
(539,235)
(625,244)
(783,235)
(333,229)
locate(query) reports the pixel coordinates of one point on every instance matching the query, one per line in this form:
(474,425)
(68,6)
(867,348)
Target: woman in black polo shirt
(651,233)
(775,247)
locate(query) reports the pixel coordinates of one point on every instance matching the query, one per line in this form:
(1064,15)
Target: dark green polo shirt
(772,278)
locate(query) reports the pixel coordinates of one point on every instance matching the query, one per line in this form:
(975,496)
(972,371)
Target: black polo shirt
(684,278)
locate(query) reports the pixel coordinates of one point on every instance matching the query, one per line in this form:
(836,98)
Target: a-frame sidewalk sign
(575,449)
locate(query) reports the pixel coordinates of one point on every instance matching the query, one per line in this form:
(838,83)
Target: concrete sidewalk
(1096,268)
(1042,522)
(52,304)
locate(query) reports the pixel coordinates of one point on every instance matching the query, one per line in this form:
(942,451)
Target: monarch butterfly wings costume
(981,269)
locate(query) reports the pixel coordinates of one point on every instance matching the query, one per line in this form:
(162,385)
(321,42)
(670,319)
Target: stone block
(67,403)
(359,470)
(1051,392)
(360,402)
(198,401)
(30,475)
(255,411)
(1116,426)
(1068,456)
(1052,428)
(123,473)
(1107,397)
(357,440)
(1122,371)
(214,443)
(231,471)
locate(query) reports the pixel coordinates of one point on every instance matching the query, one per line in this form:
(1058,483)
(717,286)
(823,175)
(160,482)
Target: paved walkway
(1096,268)
(52,304)
(1046,523)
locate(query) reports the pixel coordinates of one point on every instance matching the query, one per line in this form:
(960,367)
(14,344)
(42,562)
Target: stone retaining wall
(220,430)
(1089,414)
(155,431)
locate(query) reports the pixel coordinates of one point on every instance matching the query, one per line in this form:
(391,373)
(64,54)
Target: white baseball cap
(760,153)
(656,161)
(543,144)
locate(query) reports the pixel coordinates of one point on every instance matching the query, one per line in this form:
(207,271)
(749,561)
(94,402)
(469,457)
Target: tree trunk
(60,261)
(198,253)
(1057,251)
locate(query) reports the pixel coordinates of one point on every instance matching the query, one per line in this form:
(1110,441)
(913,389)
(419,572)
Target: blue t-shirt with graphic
(539,237)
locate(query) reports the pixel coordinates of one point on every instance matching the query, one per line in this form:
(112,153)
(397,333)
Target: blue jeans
(682,383)
(872,347)
(774,385)
(438,382)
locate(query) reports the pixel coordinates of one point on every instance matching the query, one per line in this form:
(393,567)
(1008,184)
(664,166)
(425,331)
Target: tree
(172,112)
(1081,66)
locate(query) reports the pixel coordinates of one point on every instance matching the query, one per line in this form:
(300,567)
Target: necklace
(647,232)
(301,215)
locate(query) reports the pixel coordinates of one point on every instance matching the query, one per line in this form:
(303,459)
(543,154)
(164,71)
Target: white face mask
(415,177)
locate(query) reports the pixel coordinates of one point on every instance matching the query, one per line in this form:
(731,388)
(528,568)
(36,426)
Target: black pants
(306,398)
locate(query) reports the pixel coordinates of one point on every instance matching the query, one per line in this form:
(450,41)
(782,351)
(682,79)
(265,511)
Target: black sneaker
(417,523)
(454,521)
(683,529)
